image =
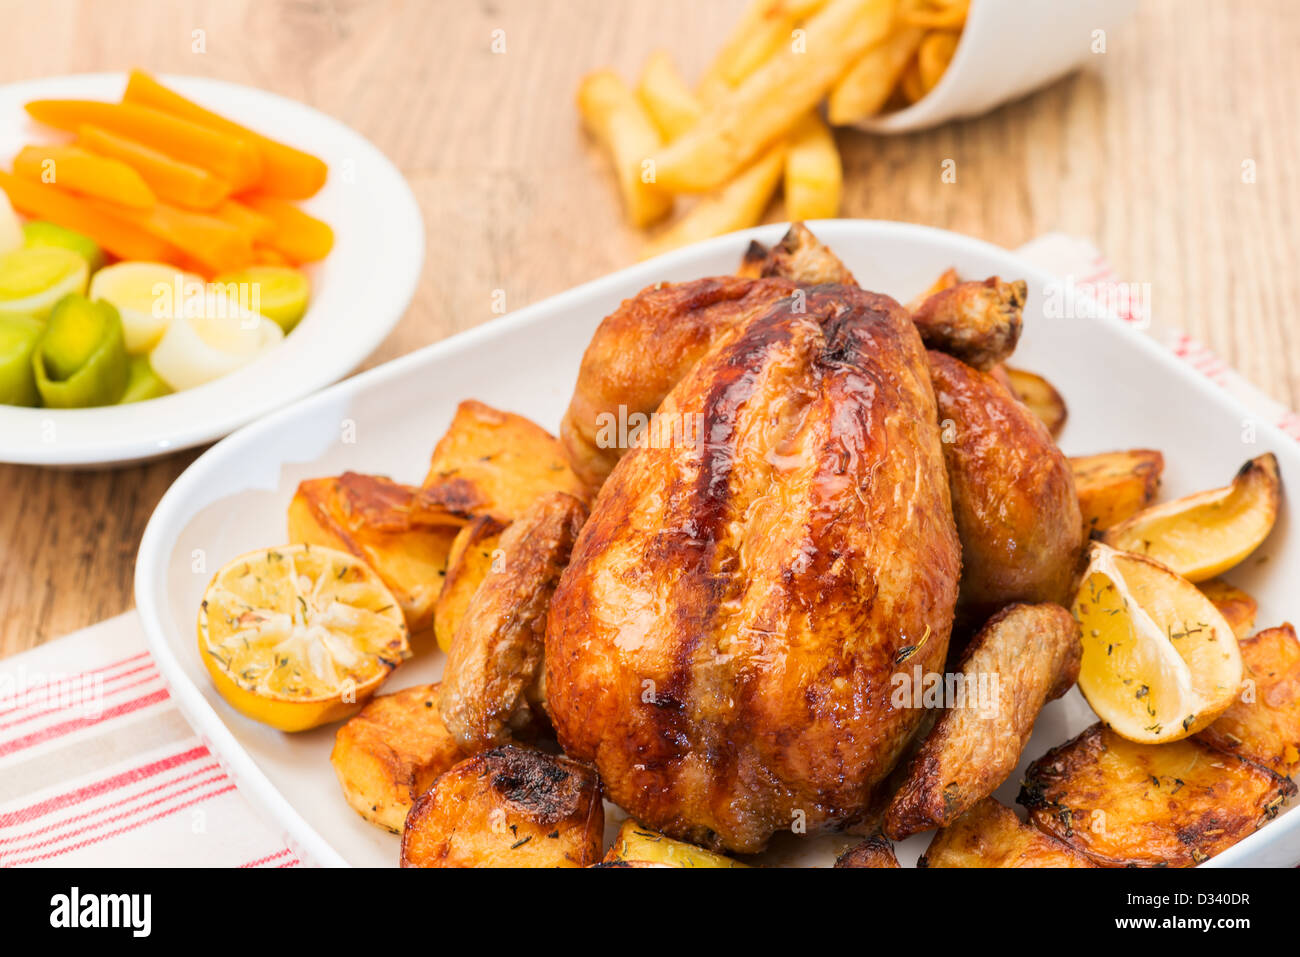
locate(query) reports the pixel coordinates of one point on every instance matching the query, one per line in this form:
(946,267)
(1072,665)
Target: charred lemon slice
(1159,660)
(299,635)
(1205,534)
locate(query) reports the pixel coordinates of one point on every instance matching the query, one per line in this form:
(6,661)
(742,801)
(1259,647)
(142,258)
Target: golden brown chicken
(779,538)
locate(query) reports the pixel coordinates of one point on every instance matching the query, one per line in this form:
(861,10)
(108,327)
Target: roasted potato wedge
(1039,395)
(494,463)
(372,517)
(471,557)
(1237,607)
(638,844)
(1263,724)
(873,852)
(1113,486)
(391,752)
(1032,652)
(1203,535)
(990,835)
(491,686)
(507,807)
(1143,805)
(1012,491)
(976,322)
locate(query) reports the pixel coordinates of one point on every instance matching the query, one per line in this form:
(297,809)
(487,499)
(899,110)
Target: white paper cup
(1009,48)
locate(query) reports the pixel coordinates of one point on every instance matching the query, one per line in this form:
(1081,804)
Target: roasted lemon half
(1205,534)
(298,636)
(1160,662)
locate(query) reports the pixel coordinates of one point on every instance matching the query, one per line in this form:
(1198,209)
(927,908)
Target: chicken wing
(722,643)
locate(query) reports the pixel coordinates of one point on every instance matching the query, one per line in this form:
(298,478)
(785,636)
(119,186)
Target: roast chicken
(754,570)
(779,533)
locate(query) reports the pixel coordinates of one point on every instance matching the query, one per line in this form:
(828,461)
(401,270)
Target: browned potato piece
(1115,485)
(508,807)
(494,463)
(391,752)
(491,683)
(1033,651)
(371,517)
(1013,494)
(990,835)
(873,852)
(1263,724)
(467,565)
(1148,805)
(1237,607)
(1039,395)
(977,322)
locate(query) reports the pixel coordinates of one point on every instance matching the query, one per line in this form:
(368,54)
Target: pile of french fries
(755,119)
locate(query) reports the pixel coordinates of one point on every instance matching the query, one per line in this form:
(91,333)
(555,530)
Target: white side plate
(359,291)
(1124,392)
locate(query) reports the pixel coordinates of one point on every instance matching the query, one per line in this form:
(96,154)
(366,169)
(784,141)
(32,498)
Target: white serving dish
(359,291)
(1008,48)
(1124,391)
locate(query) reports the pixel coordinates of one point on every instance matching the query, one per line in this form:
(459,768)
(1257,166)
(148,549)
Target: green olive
(18,338)
(142,382)
(80,360)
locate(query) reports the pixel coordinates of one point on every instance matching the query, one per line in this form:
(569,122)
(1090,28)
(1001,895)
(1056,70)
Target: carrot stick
(72,212)
(204,239)
(301,238)
(266,256)
(257,226)
(179,183)
(72,168)
(235,160)
(286,172)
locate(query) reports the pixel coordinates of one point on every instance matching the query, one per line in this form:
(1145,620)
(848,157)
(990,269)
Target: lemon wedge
(147,296)
(298,636)
(33,280)
(1159,660)
(1203,535)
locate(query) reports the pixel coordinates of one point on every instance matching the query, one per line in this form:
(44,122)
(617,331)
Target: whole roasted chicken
(777,542)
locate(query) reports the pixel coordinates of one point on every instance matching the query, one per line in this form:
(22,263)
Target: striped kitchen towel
(97,767)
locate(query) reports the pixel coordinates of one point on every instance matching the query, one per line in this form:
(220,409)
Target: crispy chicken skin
(1013,494)
(1034,651)
(495,662)
(722,643)
(643,348)
(976,322)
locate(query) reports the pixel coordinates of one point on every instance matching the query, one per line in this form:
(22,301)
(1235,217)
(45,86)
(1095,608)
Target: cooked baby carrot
(171,180)
(204,239)
(235,160)
(301,238)
(286,172)
(253,223)
(72,168)
(110,231)
(266,256)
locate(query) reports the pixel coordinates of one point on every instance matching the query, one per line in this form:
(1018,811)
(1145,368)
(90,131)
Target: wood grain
(1142,151)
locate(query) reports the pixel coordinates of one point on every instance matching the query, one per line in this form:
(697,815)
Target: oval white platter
(1124,391)
(359,292)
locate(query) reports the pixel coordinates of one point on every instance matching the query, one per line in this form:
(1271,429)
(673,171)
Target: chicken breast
(723,641)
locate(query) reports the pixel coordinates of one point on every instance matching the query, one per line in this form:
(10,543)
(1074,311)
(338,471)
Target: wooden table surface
(1142,151)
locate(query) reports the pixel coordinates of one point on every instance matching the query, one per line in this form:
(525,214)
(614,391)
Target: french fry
(738,127)
(672,106)
(765,25)
(934,55)
(864,90)
(814,176)
(909,84)
(738,205)
(934,14)
(616,118)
